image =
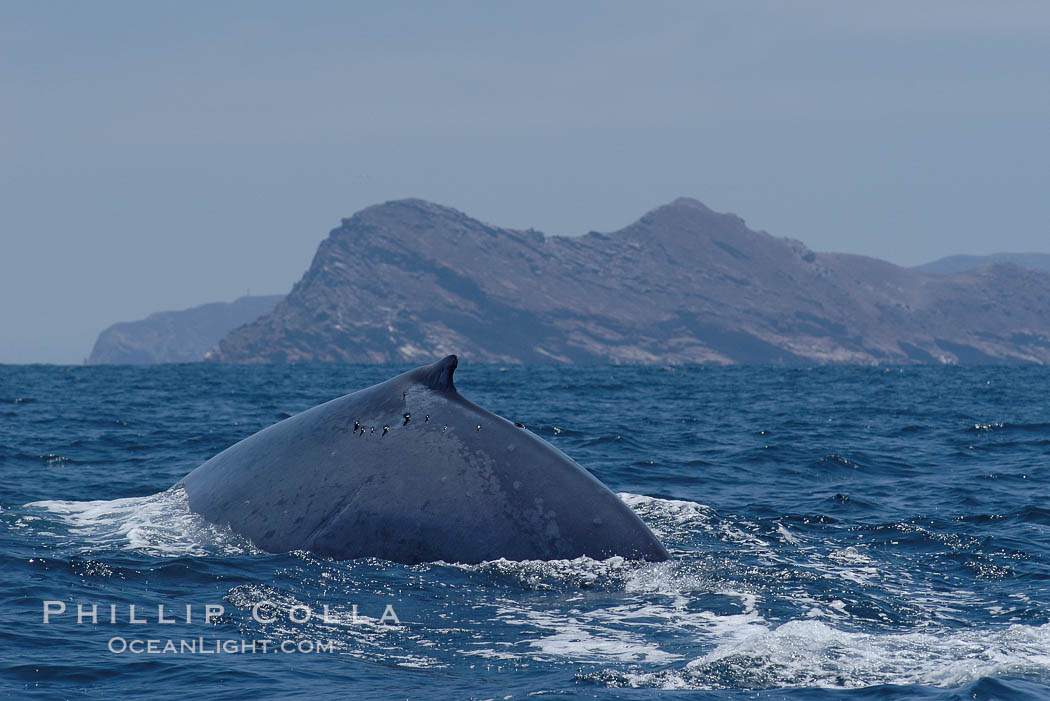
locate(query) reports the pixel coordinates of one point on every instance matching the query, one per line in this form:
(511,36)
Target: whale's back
(411,471)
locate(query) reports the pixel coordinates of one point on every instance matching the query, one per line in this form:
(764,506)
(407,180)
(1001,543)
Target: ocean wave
(695,622)
(159,525)
(1037,427)
(814,654)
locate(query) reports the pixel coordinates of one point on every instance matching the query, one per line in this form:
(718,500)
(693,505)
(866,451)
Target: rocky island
(960,263)
(410,281)
(182,336)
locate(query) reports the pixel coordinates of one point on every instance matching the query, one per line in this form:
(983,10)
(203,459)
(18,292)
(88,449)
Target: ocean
(836,532)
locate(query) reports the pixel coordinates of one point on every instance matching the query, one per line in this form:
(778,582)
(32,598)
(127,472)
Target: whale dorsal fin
(439,375)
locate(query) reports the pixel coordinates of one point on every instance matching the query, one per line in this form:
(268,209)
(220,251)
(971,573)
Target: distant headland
(410,281)
(183,336)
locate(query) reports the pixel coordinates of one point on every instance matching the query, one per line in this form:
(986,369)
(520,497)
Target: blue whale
(410,471)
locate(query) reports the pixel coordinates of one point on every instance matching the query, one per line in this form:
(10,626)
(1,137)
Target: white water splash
(656,622)
(629,614)
(159,525)
(813,654)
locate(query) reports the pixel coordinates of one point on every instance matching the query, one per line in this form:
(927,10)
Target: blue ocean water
(837,532)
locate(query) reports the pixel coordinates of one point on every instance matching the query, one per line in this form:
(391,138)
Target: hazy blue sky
(162,155)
